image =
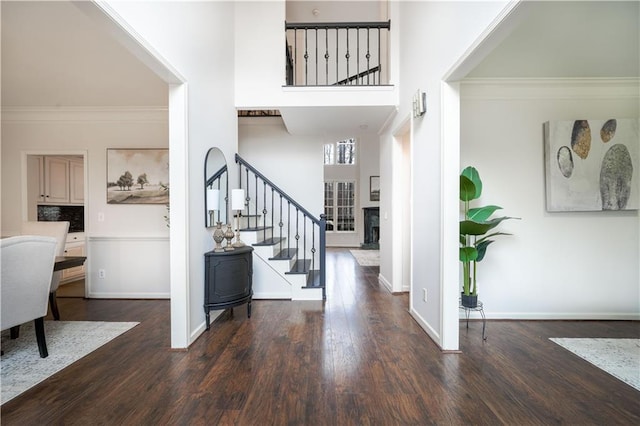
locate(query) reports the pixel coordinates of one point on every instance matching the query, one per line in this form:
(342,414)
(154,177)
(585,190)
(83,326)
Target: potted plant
(474,237)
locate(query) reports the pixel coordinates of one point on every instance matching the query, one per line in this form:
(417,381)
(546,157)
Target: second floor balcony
(337,53)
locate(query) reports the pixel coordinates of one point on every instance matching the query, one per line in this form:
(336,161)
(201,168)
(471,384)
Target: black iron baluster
(326,55)
(272,222)
(288,226)
(297,236)
(295,57)
(248,199)
(347,54)
(358,56)
(306,58)
(304,240)
(264,211)
(280,224)
(337,53)
(316,56)
(313,248)
(379,60)
(368,55)
(256,197)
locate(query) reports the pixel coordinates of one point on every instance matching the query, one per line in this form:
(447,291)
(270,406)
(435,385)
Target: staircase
(288,242)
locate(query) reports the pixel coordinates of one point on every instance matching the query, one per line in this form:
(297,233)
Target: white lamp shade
(237,199)
(213,199)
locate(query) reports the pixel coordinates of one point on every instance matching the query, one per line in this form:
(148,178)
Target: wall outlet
(424,294)
(100,217)
(101,274)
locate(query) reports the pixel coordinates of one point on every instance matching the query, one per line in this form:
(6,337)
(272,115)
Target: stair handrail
(365,73)
(320,222)
(334,25)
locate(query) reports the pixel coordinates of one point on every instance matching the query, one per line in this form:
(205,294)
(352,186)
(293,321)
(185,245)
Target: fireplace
(371,228)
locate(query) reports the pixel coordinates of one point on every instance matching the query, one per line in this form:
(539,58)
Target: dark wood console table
(228,279)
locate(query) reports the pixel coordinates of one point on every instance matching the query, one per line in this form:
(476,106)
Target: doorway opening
(54,190)
(402,208)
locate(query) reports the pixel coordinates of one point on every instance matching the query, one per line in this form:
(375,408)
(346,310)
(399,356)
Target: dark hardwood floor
(357,359)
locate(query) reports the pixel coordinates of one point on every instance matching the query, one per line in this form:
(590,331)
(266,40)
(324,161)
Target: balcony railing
(341,53)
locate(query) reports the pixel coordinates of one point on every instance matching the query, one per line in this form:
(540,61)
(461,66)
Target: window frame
(335,206)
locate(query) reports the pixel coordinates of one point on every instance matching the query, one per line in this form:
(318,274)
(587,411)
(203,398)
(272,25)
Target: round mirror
(216,187)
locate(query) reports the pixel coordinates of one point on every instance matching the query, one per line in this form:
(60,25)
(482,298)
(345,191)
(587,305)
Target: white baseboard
(433,334)
(107,295)
(384,282)
(578,316)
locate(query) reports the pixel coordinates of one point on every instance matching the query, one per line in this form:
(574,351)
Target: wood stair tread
(269,242)
(300,267)
(286,254)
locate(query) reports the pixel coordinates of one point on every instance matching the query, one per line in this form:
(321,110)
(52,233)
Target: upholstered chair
(27,265)
(59,231)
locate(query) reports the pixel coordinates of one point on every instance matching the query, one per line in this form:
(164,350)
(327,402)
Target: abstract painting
(592,165)
(137,176)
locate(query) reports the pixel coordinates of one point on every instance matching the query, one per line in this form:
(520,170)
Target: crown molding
(545,88)
(18,114)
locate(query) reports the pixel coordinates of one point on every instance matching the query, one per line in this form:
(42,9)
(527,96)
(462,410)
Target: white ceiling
(54,55)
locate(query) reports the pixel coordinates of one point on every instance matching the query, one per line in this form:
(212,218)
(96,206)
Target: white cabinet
(76,182)
(62,181)
(75,247)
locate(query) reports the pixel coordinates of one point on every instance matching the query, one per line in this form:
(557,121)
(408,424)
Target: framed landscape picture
(137,176)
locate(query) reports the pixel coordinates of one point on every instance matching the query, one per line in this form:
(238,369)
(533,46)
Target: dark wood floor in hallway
(356,359)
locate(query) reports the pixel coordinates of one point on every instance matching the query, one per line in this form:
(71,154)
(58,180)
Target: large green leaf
(469,227)
(480,214)
(468,254)
(482,249)
(467,189)
(472,174)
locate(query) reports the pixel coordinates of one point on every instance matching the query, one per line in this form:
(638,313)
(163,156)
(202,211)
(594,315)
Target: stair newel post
(323,243)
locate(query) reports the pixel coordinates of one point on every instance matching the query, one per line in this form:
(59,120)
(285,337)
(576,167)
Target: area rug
(367,257)
(67,342)
(618,357)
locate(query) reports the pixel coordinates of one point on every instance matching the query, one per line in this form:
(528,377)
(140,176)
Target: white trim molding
(545,88)
(142,114)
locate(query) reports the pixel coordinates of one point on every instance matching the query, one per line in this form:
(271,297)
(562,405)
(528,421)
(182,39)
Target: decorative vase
(470,301)
(218,237)
(229,236)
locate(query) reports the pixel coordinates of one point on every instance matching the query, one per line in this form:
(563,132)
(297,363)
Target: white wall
(197,39)
(92,131)
(433,35)
(260,61)
(581,265)
(293,163)
(266,144)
